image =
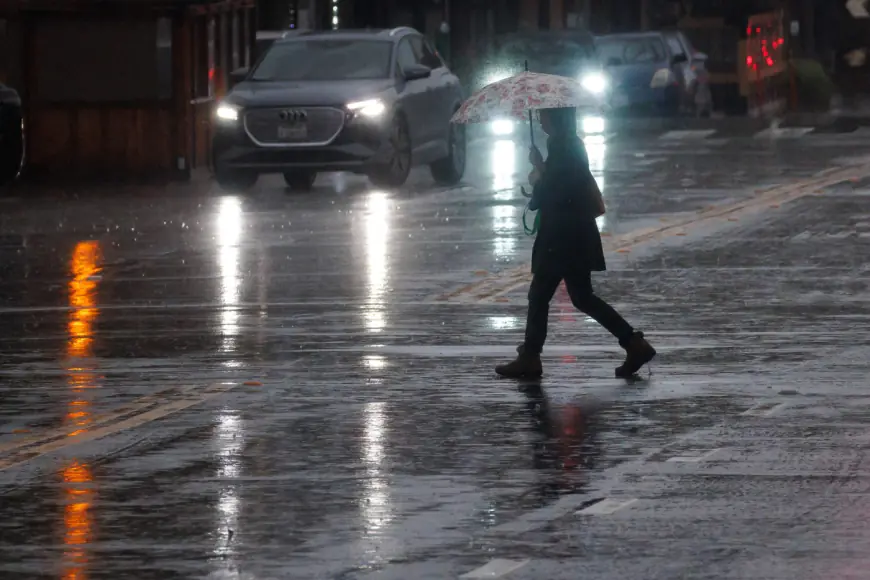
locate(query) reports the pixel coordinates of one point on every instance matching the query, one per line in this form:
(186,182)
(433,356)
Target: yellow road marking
(139,412)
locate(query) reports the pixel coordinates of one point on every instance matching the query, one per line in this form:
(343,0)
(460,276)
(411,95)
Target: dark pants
(579,286)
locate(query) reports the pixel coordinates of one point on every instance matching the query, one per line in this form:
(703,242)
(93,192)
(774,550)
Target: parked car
(657,71)
(11,135)
(374,102)
(569,53)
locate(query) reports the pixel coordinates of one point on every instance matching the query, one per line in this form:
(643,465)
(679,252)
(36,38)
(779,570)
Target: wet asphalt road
(280,386)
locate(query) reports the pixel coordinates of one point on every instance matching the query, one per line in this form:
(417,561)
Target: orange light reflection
(81,374)
(76,520)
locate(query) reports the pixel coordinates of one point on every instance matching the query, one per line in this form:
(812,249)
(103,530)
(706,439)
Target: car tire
(450,169)
(300,180)
(395,173)
(236,181)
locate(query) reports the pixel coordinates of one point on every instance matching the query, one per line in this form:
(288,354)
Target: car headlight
(227,113)
(595,83)
(495,77)
(371,108)
(502,127)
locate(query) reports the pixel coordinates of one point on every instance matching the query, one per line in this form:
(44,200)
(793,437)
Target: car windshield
(638,50)
(545,50)
(325,60)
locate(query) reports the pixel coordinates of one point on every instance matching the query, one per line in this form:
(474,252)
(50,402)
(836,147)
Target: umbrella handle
(531,125)
(531,129)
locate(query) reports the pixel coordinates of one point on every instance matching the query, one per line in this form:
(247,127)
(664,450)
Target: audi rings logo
(293,115)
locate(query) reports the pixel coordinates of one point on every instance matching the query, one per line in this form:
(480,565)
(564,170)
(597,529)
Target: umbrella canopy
(515,96)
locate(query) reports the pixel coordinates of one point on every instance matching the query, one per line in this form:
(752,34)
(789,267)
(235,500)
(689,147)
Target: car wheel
(236,181)
(395,173)
(449,170)
(300,180)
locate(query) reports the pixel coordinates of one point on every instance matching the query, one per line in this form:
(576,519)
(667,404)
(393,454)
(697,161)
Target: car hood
(279,94)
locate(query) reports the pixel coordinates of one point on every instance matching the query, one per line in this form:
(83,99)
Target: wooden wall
(109,141)
(88,116)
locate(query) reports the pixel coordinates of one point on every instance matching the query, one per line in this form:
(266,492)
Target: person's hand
(535,158)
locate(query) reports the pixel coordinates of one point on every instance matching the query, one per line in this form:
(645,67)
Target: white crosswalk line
(688,135)
(784,132)
(496,568)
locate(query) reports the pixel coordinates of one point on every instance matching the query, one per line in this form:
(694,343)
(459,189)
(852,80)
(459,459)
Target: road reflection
(377,544)
(228,438)
(596,149)
(81,371)
(503,160)
(567,446)
(228,235)
(505,214)
(228,444)
(377,234)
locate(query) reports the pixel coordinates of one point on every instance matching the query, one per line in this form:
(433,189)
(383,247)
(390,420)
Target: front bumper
(359,146)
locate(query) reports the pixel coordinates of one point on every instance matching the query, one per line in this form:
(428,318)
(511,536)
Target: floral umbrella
(515,97)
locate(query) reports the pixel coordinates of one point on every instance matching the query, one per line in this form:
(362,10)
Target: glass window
(428,56)
(623,51)
(406,56)
(545,50)
(324,60)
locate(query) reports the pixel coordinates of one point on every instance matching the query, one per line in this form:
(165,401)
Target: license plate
(293,132)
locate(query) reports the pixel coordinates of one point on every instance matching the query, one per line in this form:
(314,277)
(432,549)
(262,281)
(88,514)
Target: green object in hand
(535,226)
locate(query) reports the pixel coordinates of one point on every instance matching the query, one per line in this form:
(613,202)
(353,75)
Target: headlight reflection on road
(504,226)
(504,164)
(593,125)
(229,235)
(596,150)
(503,322)
(377,233)
(228,445)
(376,506)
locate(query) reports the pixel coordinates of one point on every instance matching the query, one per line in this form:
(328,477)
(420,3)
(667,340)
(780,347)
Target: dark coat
(568,239)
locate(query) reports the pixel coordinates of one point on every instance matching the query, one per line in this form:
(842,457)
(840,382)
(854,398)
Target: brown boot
(638,352)
(525,366)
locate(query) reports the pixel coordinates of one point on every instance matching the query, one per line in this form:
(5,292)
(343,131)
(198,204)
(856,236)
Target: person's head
(557,122)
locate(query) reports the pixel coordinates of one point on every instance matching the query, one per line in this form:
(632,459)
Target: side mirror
(239,75)
(679,59)
(416,71)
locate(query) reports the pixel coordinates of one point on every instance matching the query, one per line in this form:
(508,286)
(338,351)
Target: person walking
(568,247)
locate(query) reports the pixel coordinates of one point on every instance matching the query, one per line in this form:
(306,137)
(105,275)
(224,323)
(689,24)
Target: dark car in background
(374,102)
(569,53)
(657,72)
(11,135)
